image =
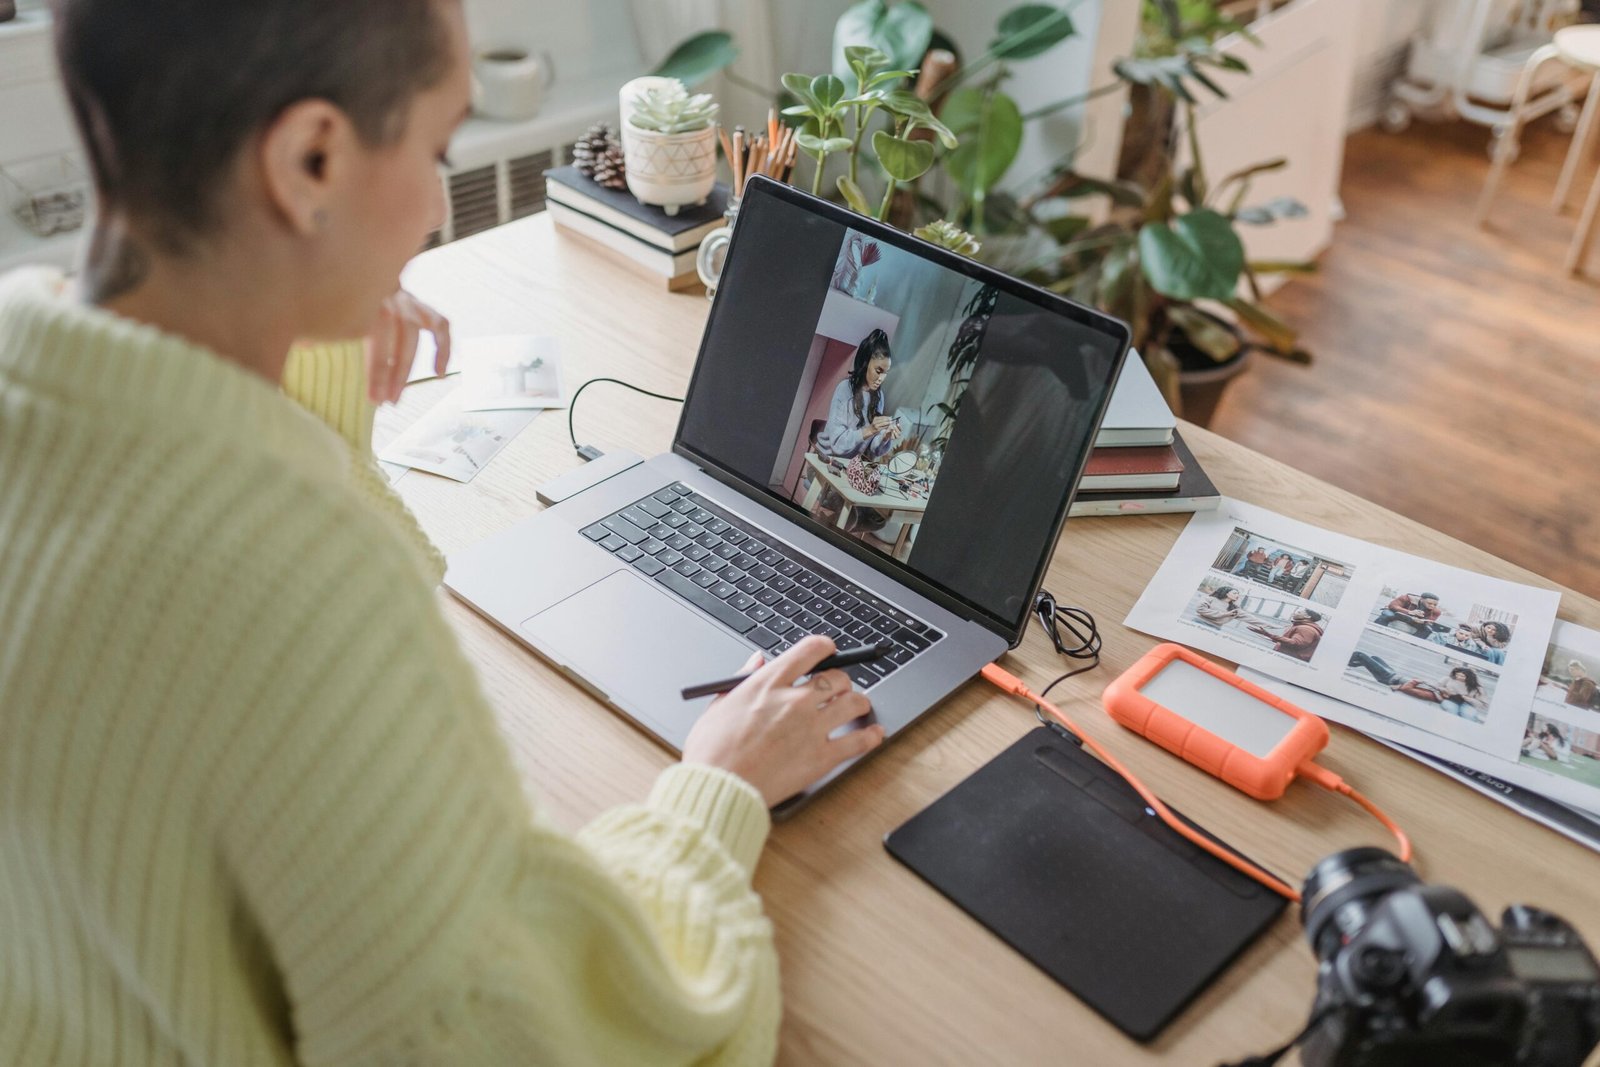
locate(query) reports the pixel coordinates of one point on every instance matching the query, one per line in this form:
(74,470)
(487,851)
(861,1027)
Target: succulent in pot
(669,142)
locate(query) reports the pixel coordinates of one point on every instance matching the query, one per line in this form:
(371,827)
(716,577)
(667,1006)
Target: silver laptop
(880,442)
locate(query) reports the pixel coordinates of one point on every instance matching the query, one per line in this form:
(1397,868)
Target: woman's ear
(303,155)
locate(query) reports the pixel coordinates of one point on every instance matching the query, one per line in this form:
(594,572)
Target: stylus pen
(848,658)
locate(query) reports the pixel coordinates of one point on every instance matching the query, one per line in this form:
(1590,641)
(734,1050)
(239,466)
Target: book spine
(556,193)
(1082,509)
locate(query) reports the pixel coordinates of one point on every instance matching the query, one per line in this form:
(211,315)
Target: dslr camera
(1415,974)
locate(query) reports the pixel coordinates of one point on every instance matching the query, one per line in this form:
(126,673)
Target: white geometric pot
(670,169)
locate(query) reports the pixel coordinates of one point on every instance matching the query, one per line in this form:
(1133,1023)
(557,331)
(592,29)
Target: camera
(1415,974)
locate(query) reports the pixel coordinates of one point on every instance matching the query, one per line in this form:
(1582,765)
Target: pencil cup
(714,249)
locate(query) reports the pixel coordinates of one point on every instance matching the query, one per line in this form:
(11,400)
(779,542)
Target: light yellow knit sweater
(253,806)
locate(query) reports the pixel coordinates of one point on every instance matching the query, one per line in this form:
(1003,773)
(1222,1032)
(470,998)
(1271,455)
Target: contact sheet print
(1445,652)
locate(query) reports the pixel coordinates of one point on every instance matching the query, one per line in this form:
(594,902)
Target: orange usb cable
(1009,682)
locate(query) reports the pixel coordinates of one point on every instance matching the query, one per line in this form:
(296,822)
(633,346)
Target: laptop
(797,499)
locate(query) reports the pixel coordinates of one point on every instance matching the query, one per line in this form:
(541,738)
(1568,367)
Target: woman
(1220,607)
(256,809)
(1461,694)
(856,425)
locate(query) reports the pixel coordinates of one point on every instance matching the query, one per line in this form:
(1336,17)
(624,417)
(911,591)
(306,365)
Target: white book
(1138,413)
(666,264)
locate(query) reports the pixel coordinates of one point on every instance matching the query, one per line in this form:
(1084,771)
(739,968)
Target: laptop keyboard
(769,593)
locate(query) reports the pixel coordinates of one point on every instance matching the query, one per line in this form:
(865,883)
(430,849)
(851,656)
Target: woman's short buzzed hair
(166,92)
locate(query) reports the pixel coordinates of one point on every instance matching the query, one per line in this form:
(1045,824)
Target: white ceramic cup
(509,83)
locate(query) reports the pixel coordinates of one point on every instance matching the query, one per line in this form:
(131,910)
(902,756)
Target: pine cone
(592,146)
(609,169)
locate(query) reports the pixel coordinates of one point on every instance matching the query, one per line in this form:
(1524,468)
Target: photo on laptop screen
(893,351)
(928,414)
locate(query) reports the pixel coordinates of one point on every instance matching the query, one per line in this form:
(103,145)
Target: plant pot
(1202,380)
(666,169)
(670,169)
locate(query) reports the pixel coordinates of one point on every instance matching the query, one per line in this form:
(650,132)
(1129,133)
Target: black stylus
(848,658)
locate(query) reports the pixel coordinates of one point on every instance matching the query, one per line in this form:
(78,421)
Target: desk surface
(876,967)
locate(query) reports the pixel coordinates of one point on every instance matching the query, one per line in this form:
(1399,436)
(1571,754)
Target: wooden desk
(878,968)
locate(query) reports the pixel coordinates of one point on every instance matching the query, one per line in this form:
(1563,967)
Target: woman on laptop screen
(256,809)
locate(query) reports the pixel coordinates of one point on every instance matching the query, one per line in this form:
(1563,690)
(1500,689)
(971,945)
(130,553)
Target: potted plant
(669,143)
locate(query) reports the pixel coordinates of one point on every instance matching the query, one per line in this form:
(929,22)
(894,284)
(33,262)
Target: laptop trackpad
(640,646)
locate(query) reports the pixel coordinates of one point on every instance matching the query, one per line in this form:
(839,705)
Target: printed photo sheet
(1448,653)
(452,442)
(1558,755)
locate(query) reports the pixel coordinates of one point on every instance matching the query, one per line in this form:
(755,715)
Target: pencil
(727,145)
(772,125)
(738,160)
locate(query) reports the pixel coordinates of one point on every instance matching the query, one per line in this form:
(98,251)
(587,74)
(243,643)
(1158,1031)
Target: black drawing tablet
(1059,857)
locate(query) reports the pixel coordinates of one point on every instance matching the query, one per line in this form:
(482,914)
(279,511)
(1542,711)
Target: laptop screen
(929,415)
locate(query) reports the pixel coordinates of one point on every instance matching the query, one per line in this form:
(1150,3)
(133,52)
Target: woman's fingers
(380,342)
(853,744)
(828,685)
(846,708)
(800,660)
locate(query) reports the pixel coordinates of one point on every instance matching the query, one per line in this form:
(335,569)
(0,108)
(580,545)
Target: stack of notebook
(1140,464)
(660,245)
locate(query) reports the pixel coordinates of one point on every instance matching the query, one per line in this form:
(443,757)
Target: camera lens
(1340,891)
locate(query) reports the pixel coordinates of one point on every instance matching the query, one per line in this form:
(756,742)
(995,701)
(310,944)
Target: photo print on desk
(1556,744)
(1257,617)
(1415,680)
(1480,632)
(889,363)
(1251,557)
(1463,666)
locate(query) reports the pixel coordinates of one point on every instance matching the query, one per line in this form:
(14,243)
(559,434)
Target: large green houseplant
(1163,253)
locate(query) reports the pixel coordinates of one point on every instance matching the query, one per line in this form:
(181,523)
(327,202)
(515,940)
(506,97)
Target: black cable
(1270,1059)
(572,405)
(1076,621)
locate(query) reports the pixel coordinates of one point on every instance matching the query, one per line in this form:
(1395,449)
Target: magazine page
(1558,755)
(1453,654)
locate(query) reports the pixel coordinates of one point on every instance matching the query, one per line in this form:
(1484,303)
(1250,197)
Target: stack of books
(1140,464)
(646,237)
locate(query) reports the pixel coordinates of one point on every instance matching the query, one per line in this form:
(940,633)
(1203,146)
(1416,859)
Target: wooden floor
(1457,378)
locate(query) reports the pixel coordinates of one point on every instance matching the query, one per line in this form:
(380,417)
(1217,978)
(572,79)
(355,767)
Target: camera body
(1415,974)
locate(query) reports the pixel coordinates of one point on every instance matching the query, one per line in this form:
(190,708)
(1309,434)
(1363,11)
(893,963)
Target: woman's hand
(392,344)
(773,733)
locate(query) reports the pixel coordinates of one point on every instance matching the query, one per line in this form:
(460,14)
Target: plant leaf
(902,159)
(853,196)
(863,59)
(818,146)
(698,57)
(1282,207)
(1030,30)
(885,76)
(1197,257)
(1066,227)
(901,33)
(1283,266)
(1204,332)
(800,86)
(989,126)
(827,90)
(1280,337)
(904,102)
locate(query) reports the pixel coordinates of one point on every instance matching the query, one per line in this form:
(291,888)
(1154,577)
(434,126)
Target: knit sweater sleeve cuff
(728,807)
(330,381)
